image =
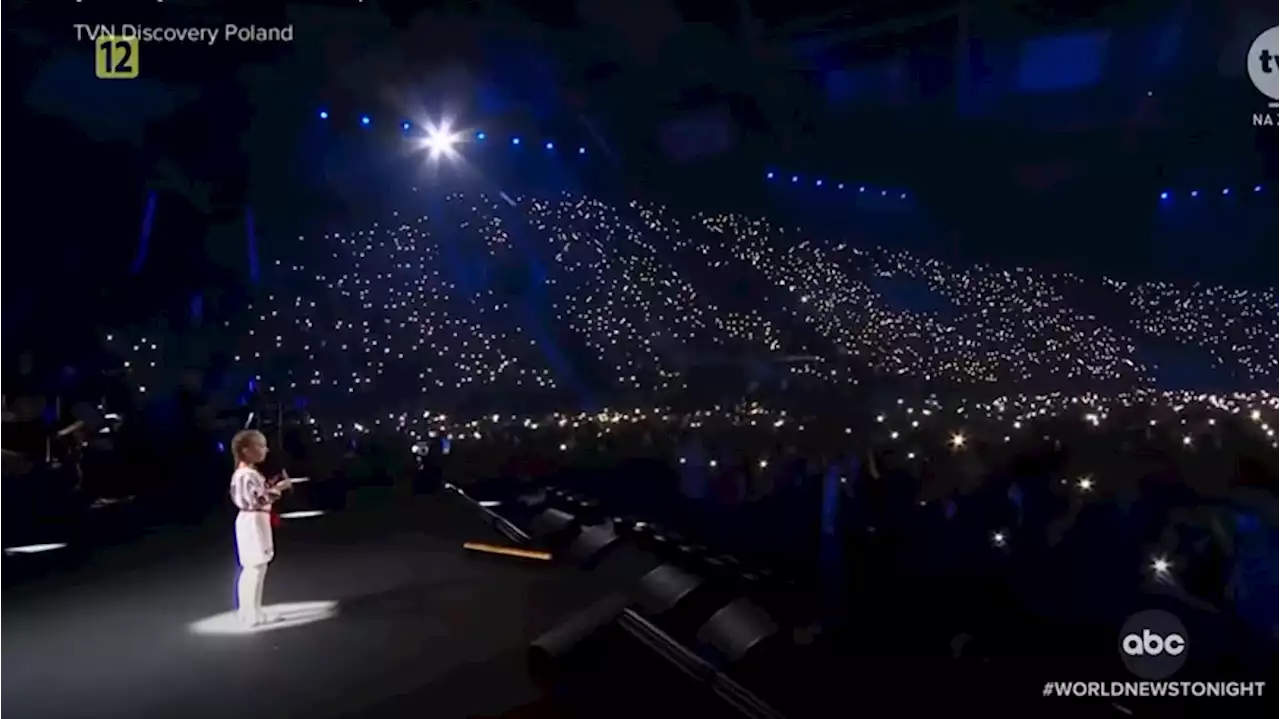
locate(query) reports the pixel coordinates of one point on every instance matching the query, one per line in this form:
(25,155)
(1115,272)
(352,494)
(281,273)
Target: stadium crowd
(1003,436)
(581,299)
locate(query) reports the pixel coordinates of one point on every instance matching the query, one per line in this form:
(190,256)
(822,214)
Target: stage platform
(383,614)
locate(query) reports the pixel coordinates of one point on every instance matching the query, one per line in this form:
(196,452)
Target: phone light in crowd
(364,120)
(34,548)
(999,539)
(308,514)
(324,114)
(1084,484)
(1161,566)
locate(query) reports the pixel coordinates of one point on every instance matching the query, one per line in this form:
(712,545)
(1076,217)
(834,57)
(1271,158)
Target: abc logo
(1153,644)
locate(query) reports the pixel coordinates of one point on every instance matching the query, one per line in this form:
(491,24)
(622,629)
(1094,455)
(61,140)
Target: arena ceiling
(678,80)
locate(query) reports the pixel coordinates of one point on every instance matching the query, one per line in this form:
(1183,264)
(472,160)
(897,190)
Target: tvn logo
(1264,72)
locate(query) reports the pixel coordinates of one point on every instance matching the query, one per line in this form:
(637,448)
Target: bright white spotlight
(278,616)
(441,141)
(34,548)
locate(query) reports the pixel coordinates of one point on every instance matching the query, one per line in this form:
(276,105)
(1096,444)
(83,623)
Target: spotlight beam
(441,141)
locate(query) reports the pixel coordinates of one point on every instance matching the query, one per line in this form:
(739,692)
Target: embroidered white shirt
(250,492)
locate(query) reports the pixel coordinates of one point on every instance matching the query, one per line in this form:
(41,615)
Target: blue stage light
(405,125)
(840,186)
(883,193)
(1195,193)
(582,150)
(795,178)
(818,183)
(903,196)
(862,189)
(324,114)
(768,176)
(364,120)
(515,141)
(1164,195)
(1257,188)
(1226,190)
(551,145)
(480,136)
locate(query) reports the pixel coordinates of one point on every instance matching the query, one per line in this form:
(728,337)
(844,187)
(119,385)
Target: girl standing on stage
(253,495)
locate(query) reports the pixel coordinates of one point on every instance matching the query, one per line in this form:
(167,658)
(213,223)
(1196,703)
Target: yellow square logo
(116,58)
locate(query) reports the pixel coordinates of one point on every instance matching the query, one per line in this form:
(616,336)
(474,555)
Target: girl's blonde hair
(243,440)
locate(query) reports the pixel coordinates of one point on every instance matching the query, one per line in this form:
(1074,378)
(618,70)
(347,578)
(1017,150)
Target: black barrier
(553,525)
(623,565)
(676,600)
(664,588)
(548,649)
(676,655)
(737,629)
(590,547)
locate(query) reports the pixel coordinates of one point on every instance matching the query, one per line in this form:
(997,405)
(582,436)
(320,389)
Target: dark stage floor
(418,626)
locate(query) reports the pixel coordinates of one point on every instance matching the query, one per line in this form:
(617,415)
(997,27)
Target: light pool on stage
(278,616)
